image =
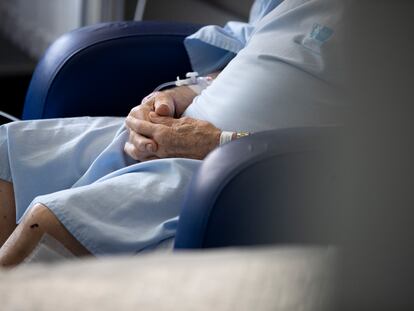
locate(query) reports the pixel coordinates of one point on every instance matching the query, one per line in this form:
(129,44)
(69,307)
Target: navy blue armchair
(106,69)
(273,187)
(262,189)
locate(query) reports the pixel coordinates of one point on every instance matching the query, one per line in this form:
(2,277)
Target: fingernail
(149,147)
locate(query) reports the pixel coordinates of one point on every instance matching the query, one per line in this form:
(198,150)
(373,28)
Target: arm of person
(171,102)
(184,137)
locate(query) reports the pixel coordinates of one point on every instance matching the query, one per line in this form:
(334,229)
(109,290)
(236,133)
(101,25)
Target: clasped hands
(155,133)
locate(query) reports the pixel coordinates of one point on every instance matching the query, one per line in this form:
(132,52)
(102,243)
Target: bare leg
(24,239)
(7,211)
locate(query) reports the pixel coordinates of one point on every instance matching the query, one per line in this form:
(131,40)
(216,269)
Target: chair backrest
(271,187)
(108,67)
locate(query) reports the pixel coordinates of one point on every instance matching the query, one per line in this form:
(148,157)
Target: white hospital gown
(113,204)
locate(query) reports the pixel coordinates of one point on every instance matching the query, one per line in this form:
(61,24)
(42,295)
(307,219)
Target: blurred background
(27,28)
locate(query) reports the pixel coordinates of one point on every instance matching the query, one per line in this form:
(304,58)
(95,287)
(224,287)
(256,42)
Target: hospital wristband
(225,137)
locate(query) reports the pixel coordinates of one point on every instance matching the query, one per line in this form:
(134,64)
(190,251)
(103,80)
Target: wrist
(183,97)
(226,136)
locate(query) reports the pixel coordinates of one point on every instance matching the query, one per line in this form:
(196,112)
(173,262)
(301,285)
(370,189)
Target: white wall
(34,24)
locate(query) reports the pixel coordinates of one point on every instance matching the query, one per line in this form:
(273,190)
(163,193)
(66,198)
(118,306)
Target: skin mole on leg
(34,226)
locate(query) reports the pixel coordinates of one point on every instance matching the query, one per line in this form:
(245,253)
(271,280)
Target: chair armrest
(106,69)
(270,187)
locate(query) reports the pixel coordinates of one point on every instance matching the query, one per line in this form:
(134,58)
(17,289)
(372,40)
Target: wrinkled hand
(185,137)
(139,147)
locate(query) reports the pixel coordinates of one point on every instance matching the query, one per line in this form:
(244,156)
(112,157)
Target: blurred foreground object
(375,215)
(233,279)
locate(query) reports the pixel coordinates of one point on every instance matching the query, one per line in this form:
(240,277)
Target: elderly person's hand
(185,137)
(166,103)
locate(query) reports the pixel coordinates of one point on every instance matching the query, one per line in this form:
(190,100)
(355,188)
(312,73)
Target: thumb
(155,118)
(164,105)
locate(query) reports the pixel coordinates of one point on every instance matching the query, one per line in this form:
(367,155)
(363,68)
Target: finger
(134,153)
(141,111)
(136,112)
(130,122)
(131,151)
(155,118)
(142,127)
(145,145)
(149,97)
(164,105)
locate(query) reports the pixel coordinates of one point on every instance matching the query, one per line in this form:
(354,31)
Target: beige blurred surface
(232,279)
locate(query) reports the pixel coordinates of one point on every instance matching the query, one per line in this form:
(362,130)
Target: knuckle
(128,119)
(141,145)
(131,126)
(130,151)
(134,110)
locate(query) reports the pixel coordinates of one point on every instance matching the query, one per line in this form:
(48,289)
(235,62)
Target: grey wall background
(34,25)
